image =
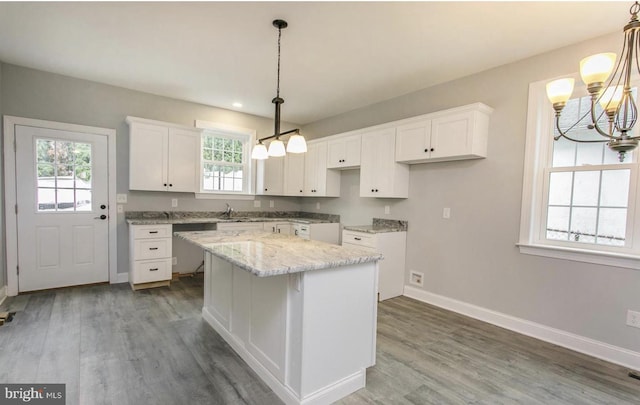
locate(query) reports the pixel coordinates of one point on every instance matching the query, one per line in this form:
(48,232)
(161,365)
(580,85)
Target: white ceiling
(336,56)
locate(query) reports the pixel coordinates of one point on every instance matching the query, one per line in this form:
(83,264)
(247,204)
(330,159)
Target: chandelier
(615,98)
(297,143)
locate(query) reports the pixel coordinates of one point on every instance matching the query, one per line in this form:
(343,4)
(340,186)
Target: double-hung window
(579,201)
(225,159)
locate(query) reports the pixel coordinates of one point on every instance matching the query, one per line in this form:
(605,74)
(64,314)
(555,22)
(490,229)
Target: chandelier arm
(594,120)
(563,134)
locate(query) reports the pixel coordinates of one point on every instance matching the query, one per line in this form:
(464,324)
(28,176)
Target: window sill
(627,261)
(223,196)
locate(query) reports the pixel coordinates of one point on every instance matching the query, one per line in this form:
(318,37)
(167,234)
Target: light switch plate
(271,204)
(174,202)
(387,209)
(121,198)
(446,213)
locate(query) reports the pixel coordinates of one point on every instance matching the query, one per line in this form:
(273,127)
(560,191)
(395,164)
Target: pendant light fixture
(297,143)
(615,98)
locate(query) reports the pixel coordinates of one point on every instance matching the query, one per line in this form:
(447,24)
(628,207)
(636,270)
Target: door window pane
(63,175)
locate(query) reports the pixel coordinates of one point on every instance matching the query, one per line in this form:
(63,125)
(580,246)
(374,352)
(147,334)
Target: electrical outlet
(387,209)
(256,203)
(121,198)
(271,204)
(633,318)
(174,261)
(317,205)
(174,202)
(416,278)
(446,213)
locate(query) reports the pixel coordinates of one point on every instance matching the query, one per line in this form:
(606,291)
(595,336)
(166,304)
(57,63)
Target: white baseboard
(591,347)
(122,278)
(3,293)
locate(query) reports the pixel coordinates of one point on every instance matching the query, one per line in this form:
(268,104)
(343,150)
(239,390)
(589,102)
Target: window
(226,159)
(64,175)
(578,198)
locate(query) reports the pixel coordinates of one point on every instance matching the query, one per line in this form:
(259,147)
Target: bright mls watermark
(37,394)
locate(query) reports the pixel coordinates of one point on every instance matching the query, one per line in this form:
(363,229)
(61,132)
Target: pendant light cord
(278,80)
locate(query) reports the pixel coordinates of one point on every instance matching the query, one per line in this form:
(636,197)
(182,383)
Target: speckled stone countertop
(380,225)
(206,217)
(271,254)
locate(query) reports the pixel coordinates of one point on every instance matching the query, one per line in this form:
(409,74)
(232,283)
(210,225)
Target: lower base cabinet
(150,259)
(392,245)
(310,336)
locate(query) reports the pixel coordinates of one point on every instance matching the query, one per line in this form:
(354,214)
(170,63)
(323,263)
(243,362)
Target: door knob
(103,217)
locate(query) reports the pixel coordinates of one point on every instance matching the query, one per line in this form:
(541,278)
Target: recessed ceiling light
(237,105)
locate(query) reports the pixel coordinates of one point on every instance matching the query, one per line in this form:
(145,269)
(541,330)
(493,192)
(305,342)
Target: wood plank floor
(111,345)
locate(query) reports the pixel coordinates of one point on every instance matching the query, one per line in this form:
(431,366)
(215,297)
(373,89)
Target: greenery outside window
(225,161)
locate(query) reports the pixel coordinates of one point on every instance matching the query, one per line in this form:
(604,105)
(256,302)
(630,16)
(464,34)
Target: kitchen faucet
(228,211)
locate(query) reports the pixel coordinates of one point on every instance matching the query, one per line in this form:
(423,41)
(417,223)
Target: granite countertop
(380,225)
(181,217)
(271,254)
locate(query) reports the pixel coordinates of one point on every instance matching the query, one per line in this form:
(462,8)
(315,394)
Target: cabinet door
(452,135)
(336,153)
(148,157)
(377,164)
(344,152)
(284,229)
(184,147)
(271,176)
(413,141)
(352,146)
(311,170)
(294,174)
(320,150)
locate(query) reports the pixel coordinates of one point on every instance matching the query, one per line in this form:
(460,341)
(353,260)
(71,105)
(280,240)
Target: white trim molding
(604,351)
(11,223)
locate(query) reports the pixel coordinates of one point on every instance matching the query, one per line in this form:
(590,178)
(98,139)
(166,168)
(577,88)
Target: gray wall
(36,94)
(472,257)
(3,271)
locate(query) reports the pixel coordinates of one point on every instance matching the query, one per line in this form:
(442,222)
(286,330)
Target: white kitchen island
(301,313)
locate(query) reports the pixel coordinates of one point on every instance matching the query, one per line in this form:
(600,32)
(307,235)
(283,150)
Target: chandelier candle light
(615,99)
(297,143)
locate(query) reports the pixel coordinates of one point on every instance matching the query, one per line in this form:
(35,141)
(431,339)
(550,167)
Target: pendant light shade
(297,144)
(276,148)
(259,152)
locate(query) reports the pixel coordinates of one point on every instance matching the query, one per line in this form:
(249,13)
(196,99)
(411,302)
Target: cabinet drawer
(151,249)
(151,231)
(147,271)
(359,238)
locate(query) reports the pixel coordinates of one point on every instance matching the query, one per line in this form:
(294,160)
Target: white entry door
(62,199)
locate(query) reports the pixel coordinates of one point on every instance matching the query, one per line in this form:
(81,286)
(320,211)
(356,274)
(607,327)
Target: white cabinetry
(391,270)
(149,255)
(270,179)
(344,152)
(318,180)
(380,175)
(455,134)
(278,227)
(294,174)
(162,156)
(323,232)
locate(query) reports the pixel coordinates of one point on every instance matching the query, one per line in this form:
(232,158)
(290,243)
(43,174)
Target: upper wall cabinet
(294,174)
(456,134)
(270,176)
(380,175)
(318,180)
(344,152)
(162,156)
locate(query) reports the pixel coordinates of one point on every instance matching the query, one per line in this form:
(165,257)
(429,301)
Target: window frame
(248,137)
(535,193)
